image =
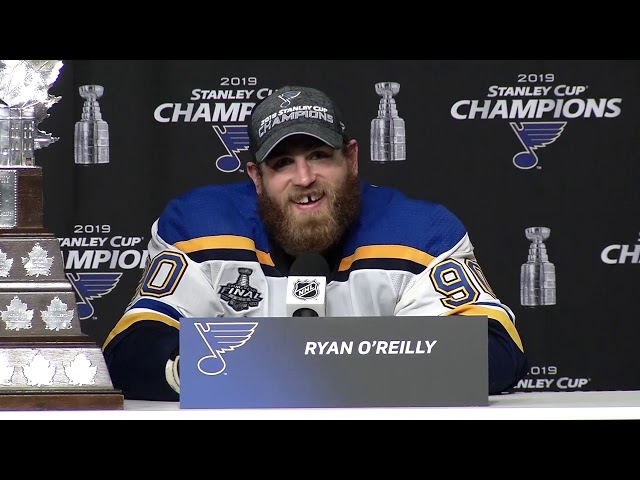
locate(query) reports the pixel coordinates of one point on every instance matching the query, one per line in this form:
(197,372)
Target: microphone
(307,285)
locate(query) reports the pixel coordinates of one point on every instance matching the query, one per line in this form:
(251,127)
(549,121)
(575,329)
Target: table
(515,406)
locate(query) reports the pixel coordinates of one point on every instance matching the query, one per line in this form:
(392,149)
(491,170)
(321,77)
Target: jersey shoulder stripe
(224,247)
(387,252)
(224,216)
(390,218)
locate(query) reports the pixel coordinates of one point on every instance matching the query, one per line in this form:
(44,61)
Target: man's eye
(319,155)
(280,163)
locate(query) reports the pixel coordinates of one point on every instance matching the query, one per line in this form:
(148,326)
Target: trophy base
(55,373)
(82,400)
(46,362)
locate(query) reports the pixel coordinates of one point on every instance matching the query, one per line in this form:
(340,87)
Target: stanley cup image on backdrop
(91,139)
(46,362)
(538,275)
(387,129)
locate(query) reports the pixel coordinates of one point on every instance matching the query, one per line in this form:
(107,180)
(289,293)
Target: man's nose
(304,174)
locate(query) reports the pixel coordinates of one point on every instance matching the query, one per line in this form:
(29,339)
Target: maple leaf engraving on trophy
(17,316)
(38,263)
(56,316)
(80,372)
(39,371)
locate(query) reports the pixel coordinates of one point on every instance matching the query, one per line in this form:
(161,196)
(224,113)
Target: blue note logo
(286,98)
(89,286)
(235,139)
(534,135)
(220,338)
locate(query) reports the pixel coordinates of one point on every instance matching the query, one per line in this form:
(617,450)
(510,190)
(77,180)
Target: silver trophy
(24,101)
(387,130)
(91,142)
(46,362)
(538,275)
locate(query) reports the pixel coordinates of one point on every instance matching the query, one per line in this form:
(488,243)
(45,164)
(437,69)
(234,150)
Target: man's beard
(316,231)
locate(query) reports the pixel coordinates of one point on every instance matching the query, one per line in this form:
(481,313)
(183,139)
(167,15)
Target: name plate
(333,362)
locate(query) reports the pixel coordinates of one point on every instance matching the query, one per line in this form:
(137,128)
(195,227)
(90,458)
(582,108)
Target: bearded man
(388,255)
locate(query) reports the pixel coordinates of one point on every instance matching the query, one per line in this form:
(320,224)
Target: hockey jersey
(210,256)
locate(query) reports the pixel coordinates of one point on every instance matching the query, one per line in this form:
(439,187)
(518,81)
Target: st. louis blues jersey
(210,256)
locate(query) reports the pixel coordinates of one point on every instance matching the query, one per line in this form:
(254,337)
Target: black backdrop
(584,187)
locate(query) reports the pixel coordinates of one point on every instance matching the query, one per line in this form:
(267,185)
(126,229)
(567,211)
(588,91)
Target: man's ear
(252,171)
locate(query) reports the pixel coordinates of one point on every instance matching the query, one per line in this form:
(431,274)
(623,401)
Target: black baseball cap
(294,110)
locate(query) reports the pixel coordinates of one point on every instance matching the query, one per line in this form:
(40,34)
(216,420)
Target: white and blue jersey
(210,256)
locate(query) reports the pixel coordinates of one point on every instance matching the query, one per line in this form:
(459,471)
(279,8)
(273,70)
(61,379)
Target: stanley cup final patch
(240,295)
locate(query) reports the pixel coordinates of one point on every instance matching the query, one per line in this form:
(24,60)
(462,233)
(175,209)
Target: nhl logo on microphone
(306,289)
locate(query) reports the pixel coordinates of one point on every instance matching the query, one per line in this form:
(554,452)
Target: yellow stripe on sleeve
(233,242)
(129,319)
(397,252)
(497,314)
